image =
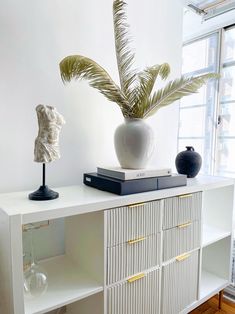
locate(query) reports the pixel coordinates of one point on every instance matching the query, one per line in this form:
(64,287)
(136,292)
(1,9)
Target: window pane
(192,122)
(226,156)
(206,95)
(195,99)
(200,54)
(227,125)
(228,84)
(197,112)
(229,45)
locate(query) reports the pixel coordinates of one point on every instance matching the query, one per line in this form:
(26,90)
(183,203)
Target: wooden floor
(211,307)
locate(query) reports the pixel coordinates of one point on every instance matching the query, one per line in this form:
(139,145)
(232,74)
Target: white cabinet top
(83,199)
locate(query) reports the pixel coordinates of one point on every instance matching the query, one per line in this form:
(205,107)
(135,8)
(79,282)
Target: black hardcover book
(120,187)
(172,181)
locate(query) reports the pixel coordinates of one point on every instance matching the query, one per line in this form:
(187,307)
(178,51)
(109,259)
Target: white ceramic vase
(134,143)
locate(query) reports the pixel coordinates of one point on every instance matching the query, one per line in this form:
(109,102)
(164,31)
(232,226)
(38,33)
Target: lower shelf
(211,284)
(66,284)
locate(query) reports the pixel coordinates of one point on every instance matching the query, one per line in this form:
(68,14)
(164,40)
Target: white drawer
(181,239)
(132,257)
(138,295)
(182,209)
(132,222)
(180,283)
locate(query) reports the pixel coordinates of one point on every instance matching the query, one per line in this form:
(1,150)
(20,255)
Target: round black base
(43,194)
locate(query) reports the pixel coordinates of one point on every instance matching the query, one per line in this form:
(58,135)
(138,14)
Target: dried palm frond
(125,56)
(147,79)
(79,67)
(134,97)
(175,90)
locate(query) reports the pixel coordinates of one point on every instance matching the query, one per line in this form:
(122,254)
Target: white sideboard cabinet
(160,252)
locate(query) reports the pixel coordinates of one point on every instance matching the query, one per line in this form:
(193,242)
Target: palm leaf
(175,90)
(147,79)
(125,57)
(134,95)
(79,67)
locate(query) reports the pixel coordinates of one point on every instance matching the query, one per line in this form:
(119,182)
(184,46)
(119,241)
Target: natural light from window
(207,119)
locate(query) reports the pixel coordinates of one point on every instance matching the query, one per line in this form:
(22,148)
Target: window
(207,119)
(225,164)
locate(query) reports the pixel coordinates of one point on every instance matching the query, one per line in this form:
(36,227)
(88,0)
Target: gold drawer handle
(138,277)
(136,205)
(182,257)
(185,225)
(136,240)
(185,195)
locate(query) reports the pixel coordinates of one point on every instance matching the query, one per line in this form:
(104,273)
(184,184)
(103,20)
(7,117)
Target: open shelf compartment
(77,274)
(211,284)
(217,213)
(67,284)
(216,267)
(211,234)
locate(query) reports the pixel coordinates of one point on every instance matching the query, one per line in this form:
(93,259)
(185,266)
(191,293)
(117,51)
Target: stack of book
(129,181)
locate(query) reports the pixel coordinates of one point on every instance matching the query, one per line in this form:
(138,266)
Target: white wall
(193,25)
(34,37)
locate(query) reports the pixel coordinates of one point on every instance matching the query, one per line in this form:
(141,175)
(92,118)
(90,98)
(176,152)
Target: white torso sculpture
(50,122)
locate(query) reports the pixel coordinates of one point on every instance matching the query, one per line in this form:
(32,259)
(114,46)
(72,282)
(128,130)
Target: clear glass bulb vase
(35,277)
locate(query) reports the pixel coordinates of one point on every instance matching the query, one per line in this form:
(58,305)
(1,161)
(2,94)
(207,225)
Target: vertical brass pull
(182,257)
(185,225)
(138,277)
(136,240)
(185,195)
(136,205)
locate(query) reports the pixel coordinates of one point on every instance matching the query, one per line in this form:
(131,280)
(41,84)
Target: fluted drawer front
(179,285)
(132,257)
(182,209)
(132,222)
(139,296)
(181,239)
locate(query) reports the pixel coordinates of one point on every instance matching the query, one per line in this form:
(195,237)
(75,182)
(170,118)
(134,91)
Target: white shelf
(211,234)
(211,284)
(82,199)
(67,284)
(84,241)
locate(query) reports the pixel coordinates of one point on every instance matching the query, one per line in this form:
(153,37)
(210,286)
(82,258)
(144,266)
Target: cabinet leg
(220,299)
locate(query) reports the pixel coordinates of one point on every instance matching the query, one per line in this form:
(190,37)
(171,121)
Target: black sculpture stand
(43,193)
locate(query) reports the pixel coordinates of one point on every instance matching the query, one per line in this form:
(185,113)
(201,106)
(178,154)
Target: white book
(133,174)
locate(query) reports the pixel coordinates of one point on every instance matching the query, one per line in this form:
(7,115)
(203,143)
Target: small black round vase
(188,162)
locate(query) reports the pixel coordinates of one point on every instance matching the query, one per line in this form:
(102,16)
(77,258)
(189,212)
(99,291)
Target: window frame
(220,65)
